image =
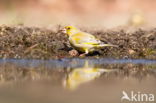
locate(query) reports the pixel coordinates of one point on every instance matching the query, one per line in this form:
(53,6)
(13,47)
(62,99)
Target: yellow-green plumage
(83,41)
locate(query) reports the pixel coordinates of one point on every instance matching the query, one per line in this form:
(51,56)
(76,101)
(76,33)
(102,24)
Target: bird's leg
(84,54)
(86,51)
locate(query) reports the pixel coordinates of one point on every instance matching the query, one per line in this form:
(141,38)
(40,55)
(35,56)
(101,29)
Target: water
(75,80)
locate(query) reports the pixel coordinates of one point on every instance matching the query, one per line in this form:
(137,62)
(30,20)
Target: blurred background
(107,13)
(19,84)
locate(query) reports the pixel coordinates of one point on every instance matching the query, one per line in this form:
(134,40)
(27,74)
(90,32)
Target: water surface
(74,80)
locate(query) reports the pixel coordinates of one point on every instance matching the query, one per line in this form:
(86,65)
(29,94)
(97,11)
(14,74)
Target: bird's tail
(105,45)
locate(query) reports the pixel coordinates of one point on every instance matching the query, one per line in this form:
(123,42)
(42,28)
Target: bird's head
(70,30)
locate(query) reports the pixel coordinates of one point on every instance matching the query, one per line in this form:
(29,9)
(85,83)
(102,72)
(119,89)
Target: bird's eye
(68,28)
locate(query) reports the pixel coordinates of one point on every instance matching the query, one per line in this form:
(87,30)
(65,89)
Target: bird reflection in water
(78,76)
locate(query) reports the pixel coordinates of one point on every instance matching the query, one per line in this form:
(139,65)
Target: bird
(83,41)
(84,74)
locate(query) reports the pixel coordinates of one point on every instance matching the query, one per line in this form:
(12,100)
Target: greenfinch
(81,75)
(82,41)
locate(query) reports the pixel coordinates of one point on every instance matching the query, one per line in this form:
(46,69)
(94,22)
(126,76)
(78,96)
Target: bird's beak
(63,30)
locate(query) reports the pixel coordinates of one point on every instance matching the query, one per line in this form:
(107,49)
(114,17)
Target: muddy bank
(41,43)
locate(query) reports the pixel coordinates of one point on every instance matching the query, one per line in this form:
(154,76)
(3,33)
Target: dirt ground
(41,43)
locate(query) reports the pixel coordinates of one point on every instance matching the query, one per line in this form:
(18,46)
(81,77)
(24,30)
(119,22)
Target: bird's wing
(85,38)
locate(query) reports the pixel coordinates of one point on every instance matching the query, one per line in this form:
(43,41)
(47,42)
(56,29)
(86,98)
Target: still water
(76,80)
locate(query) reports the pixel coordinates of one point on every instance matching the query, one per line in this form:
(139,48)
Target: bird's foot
(83,55)
(73,52)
